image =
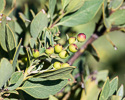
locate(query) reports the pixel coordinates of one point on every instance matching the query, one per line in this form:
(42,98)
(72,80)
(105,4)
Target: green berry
(57,65)
(73,47)
(58,48)
(63,54)
(49,50)
(65,65)
(36,54)
(72,40)
(81,37)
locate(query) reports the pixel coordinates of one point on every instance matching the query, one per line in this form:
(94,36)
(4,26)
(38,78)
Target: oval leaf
(2,5)
(6,71)
(38,24)
(42,89)
(83,15)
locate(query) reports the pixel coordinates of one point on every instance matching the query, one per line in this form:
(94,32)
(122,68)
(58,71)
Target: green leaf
(91,92)
(39,22)
(83,15)
(115,4)
(6,71)
(42,89)
(52,4)
(16,80)
(102,75)
(118,17)
(115,97)
(120,91)
(93,51)
(106,22)
(56,74)
(113,85)
(51,97)
(64,3)
(7,32)
(2,5)
(105,90)
(74,5)
(15,58)
(11,43)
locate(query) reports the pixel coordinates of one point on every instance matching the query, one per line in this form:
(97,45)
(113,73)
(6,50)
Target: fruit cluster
(58,49)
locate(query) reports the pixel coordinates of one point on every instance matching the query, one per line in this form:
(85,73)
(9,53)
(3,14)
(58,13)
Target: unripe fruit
(63,54)
(58,48)
(24,59)
(73,47)
(49,50)
(57,65)
(65,65)
(36,54)
(72,40)
(81,37)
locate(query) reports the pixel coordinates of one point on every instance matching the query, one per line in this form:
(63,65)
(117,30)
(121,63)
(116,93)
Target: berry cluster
(58,49)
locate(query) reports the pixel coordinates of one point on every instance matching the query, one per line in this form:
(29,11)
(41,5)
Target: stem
(63,14)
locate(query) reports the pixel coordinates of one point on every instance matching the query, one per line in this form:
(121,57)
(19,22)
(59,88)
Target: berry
(24,59)
(49,50)
(36,54)
(58,48)
(57,65)
(73,47)
(81,37)
(65,65)
(63,54)
(72,40)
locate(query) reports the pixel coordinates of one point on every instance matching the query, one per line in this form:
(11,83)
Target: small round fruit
(36,54)
(24,59)
(49,50)
(65,65)
(73,47)
(58,48)
(81,37)
(72,40)
(57,65)
(63,54)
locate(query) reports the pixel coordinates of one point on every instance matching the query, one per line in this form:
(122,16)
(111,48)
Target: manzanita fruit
(73,47)
(81,37)
(65,65)
(49,50)
(57,65)
(63,54)
(58,48)
(36,53)
(72,40)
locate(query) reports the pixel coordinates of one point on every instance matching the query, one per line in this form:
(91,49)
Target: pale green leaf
(120,91)
(39,22)
(115,4)
(52,4)
(2,5)
(74,5)
(83,15)
(51,97)
(6,71)
(64,3)
(15,58)
(115,97)
(105,90)
(118,17)
(56,74)
(43,88)
(16,80)
(113,85)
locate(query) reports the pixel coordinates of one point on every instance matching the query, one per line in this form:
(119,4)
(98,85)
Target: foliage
(27,71)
